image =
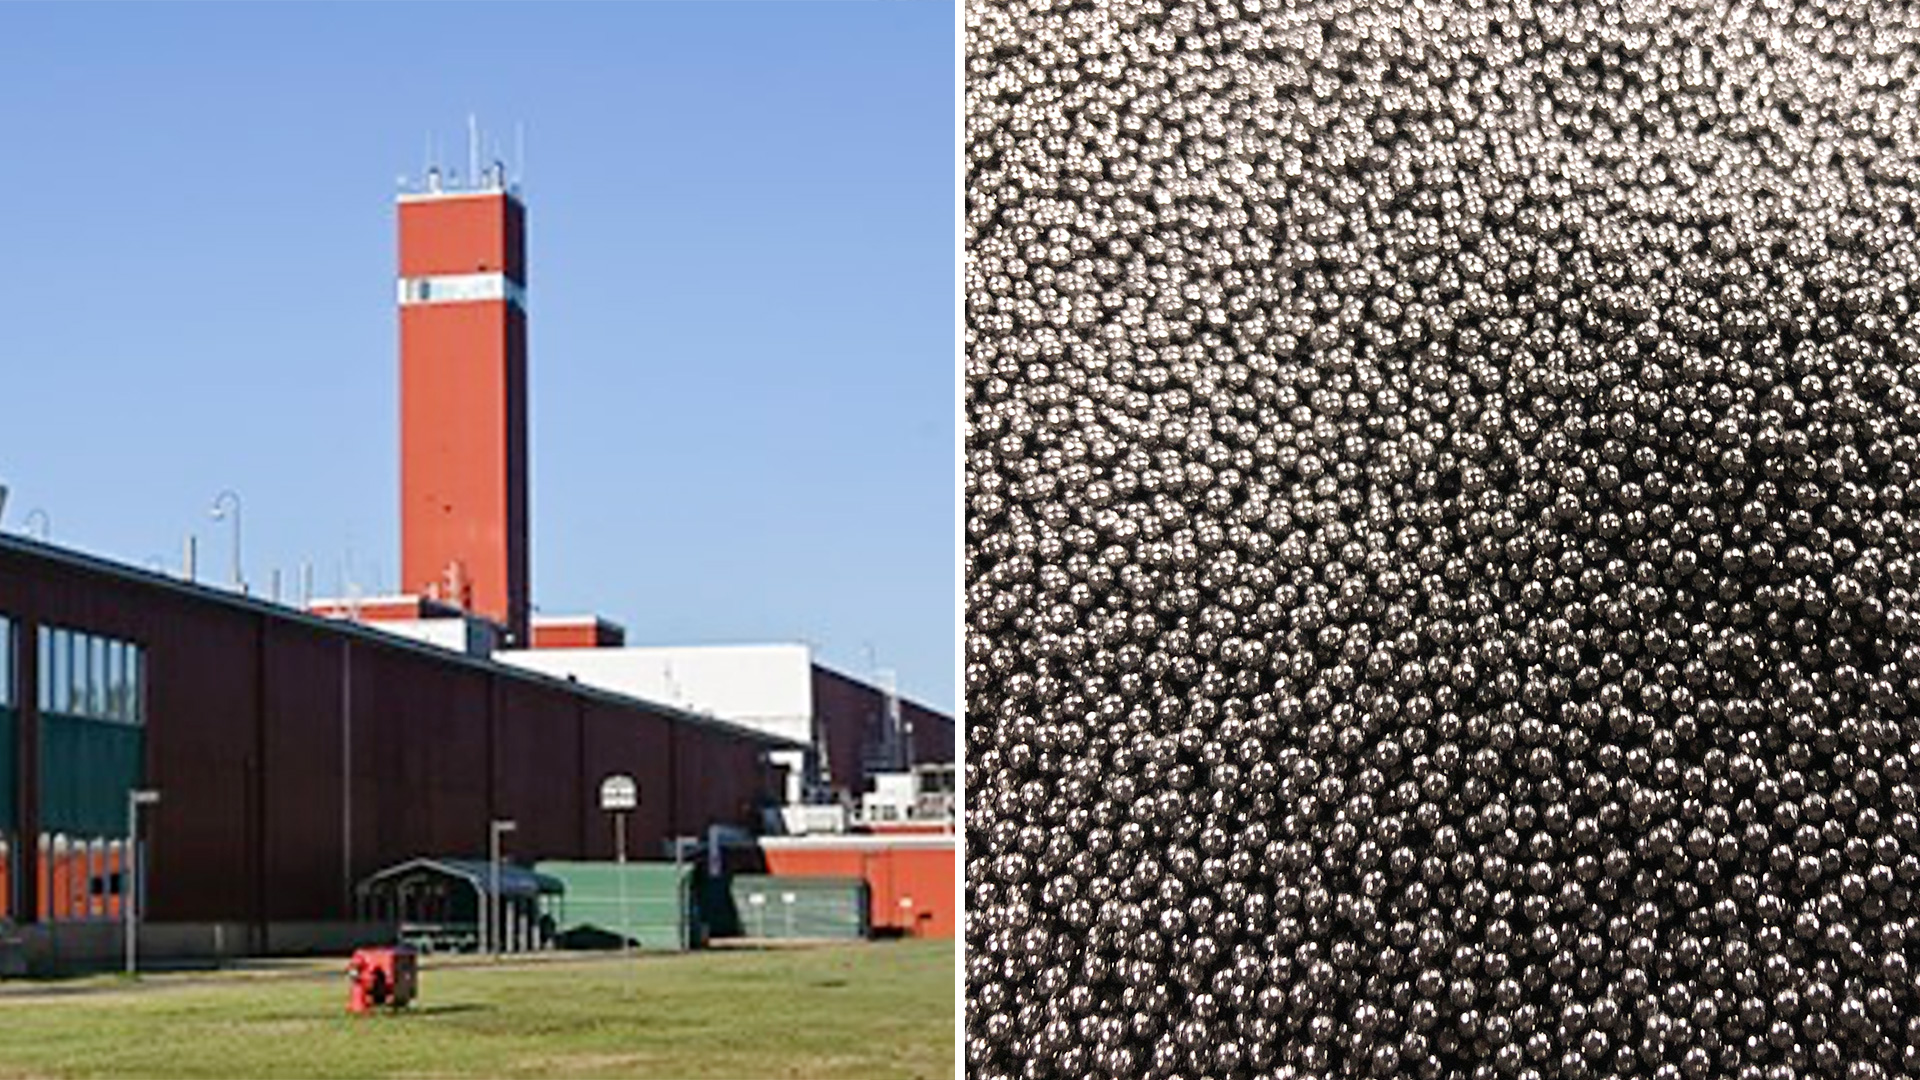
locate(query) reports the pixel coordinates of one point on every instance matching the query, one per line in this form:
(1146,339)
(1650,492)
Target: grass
(865,1010)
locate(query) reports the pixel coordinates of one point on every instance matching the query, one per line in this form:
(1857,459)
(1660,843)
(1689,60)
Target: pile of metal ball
(1443,539)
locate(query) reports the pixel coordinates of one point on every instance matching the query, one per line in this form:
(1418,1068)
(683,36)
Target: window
(73,665)
(6,663)
(110,677)
(76,673)
(106,884)
(97,676)
(89,676)
(53,671)
(120,679)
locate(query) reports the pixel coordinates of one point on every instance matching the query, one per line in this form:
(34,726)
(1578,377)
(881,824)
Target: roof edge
(370,634)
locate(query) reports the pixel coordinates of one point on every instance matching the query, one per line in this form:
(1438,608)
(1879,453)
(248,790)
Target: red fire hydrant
(382,976)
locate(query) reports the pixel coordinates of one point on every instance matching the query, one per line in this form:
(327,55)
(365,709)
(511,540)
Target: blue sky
(741,282)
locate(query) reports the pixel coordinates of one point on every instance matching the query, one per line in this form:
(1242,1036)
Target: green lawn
(869,1010)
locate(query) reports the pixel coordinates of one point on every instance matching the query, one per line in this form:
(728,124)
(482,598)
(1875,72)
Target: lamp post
(497,828)
(227,505)
(130,871)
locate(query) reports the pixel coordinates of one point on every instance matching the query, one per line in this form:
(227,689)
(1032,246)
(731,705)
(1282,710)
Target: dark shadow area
(587,938)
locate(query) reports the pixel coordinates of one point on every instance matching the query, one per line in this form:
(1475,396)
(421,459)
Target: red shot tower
(463,399)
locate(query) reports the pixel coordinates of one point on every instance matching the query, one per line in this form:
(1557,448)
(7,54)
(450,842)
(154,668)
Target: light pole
(497,828)
(225,505)
(130,871)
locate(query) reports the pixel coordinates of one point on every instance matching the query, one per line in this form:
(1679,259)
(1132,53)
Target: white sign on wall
(619,792)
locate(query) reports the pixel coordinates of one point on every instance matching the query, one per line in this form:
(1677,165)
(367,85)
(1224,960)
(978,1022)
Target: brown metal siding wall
(420,757)
(245,737)
(639,749)
(687,766)
(303,804)
(846,709)
(704,802)
(537,766)
(843,708)
(694,761)
(200,668)
(752,762)
(932,733)
(743,758)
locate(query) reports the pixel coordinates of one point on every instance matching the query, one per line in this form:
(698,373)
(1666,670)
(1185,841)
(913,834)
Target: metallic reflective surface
(1441,593)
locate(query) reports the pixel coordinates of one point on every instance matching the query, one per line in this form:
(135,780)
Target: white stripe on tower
(461,289)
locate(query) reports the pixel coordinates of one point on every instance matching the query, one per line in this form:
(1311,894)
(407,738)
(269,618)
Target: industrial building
(296,755)
(298,752)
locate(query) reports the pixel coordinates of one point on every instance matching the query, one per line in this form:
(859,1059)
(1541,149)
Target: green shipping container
(658,913)
(764,906)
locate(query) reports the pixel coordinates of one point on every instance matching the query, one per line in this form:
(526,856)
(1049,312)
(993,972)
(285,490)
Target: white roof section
(765,687)
(366,601)
(462,634)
